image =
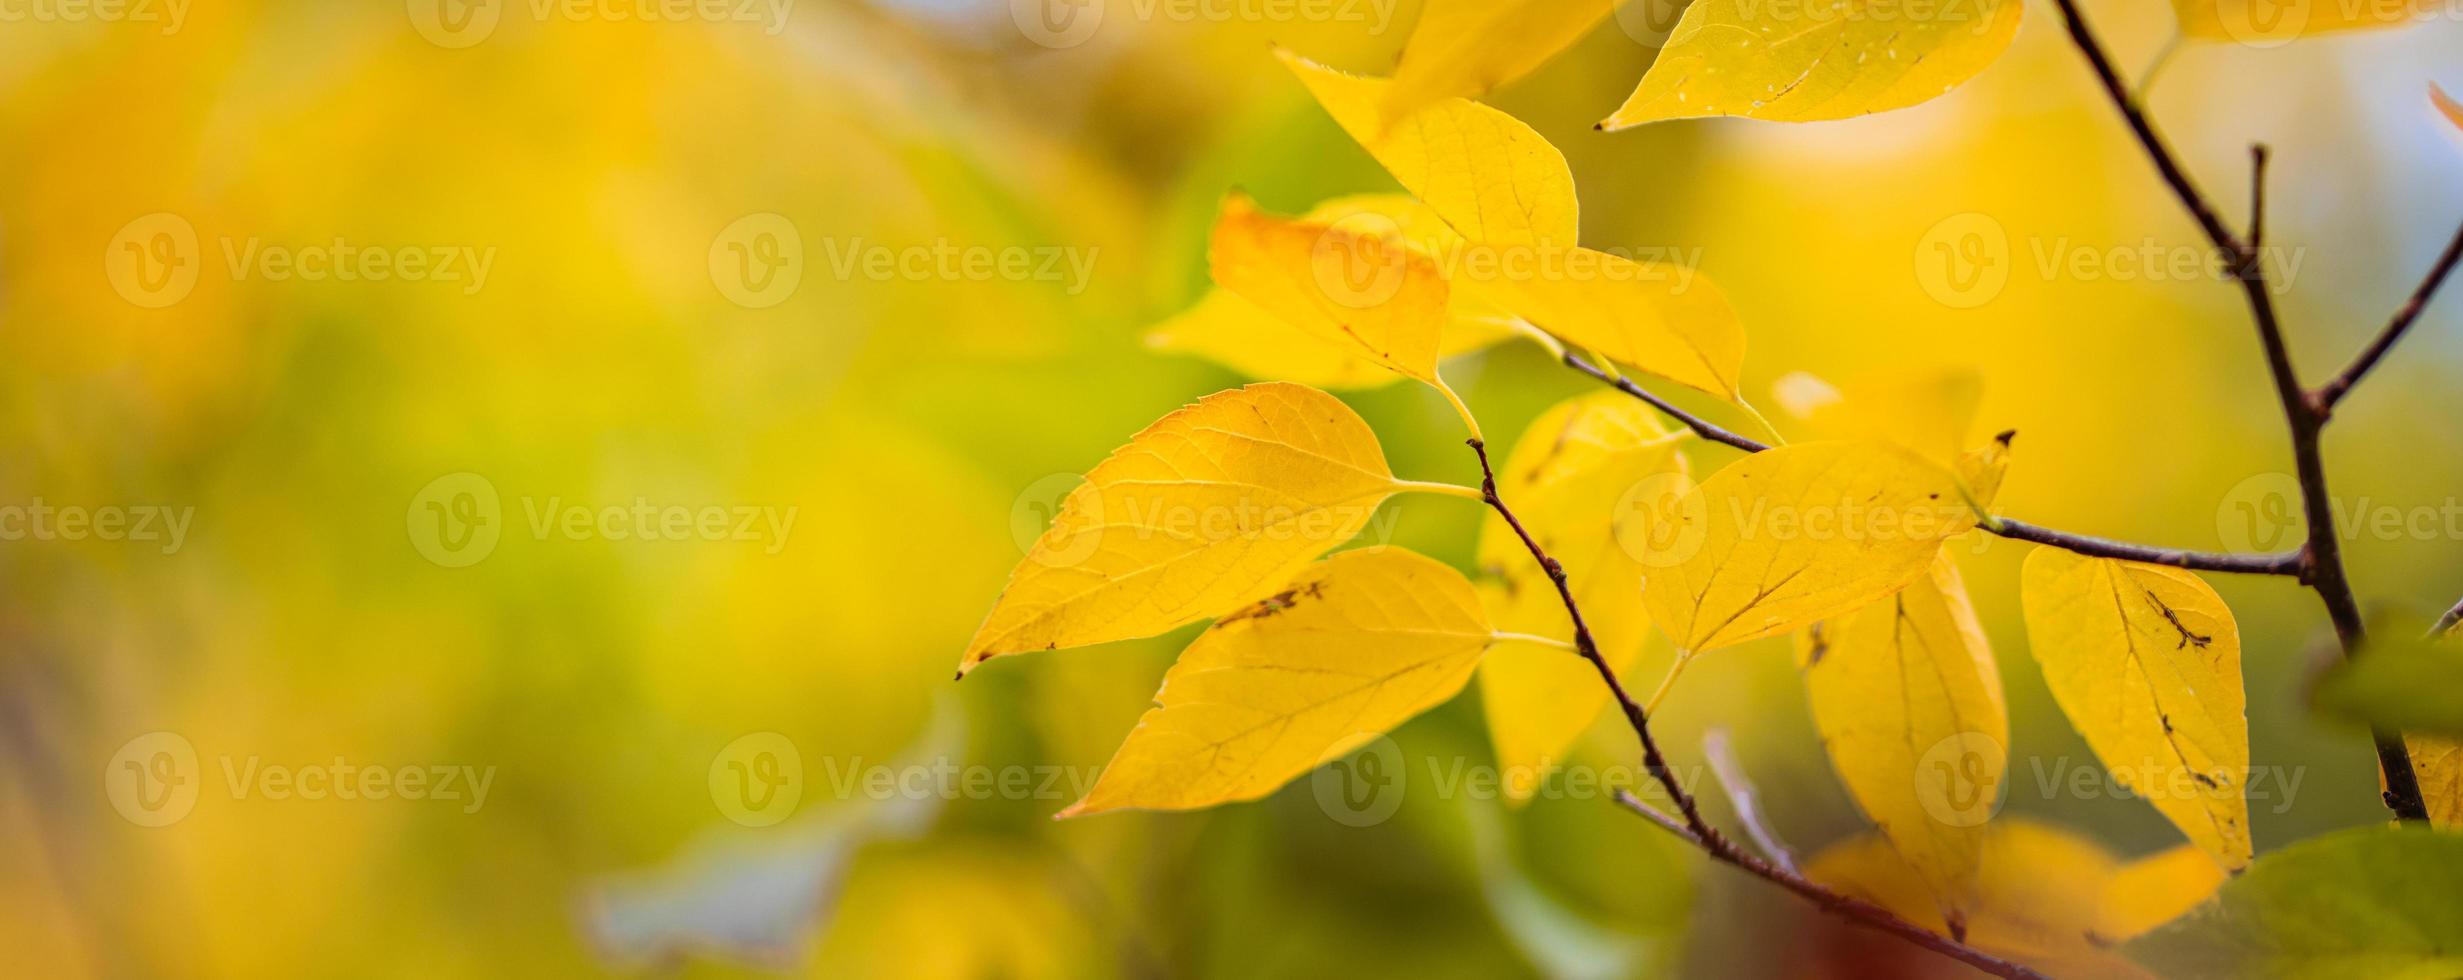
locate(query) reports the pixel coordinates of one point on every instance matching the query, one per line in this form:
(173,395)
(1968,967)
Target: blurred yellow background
(867,282)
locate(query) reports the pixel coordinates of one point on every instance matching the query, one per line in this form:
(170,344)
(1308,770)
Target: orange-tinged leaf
(2154,890)
(2446,104)
(1209,508)
(1816,60)
(1666,320)
(1491,177)
(1908,702)
(2146,662)
(1367,294)
(2268,23)
(1466,48)
(1574,477)
(1347,650)
(1784,538)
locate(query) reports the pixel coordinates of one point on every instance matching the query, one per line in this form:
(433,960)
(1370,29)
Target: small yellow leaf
(2041,894)
(1931,411)
(2146,662)
(1664,319)
(1491,177)
(1466,48)
(2446,104)
(1908,702)
(1364,293)
(1211,507)
(2267,23)
(1983,468)
(1821,59)
(2154,890)
(1352,647)
(1783,538)
(2438,763)
(1574,476)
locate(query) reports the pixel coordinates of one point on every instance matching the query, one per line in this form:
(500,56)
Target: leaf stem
(1545,641)
(1440,489)
(1667,683)
(1468,420)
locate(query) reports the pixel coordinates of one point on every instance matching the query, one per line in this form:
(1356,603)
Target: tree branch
(2277,563)
(1854,910)
(2333,391)
(2305,414)
(1693,828)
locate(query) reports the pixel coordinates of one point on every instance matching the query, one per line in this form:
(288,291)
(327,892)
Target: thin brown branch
(2333,391)
(1853,910)
(2258,155)
(1694,828)
(2446,623)
(2276,563)
(2304,414)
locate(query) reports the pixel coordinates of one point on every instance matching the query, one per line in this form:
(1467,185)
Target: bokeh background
(639,177)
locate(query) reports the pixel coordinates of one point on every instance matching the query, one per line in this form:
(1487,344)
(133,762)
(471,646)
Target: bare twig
(2276,563)
(2304,412)
(1853,910)
(2258,155)
(1693,828)
(2333,391)
(1723,764)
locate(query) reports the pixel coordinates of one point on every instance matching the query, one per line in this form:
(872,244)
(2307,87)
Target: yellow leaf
(1350,648)
(1575,475)
(2438,763)
(1367,294)
(1663,319)
(1466,48)
(2041,893)
(1983,468)
(1820,59)
(1207,509)
(1931,411)
(1491,177)
(2267,23)
(2446,104)
(1786,537)
(1233,332)
(2154,890)
(1908,702)
(2146,661)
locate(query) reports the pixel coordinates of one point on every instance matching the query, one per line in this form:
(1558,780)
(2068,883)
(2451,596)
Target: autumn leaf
(1660,318)
(1783,538)
(1209,508)
(2153,890)
(1574,476)
(2146,662)
(1908,702)
(1467,48)
(1491,177)
(2041,896)
(2272,22)
(1238,334)
(1930,410)
(2375,902)
(2438,763)
(2446,105)
(1822,59)
(1350,648)
(1368,294)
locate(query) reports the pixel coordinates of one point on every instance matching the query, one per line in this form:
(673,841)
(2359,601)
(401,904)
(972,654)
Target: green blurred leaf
(2373,903)
(2409,685)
